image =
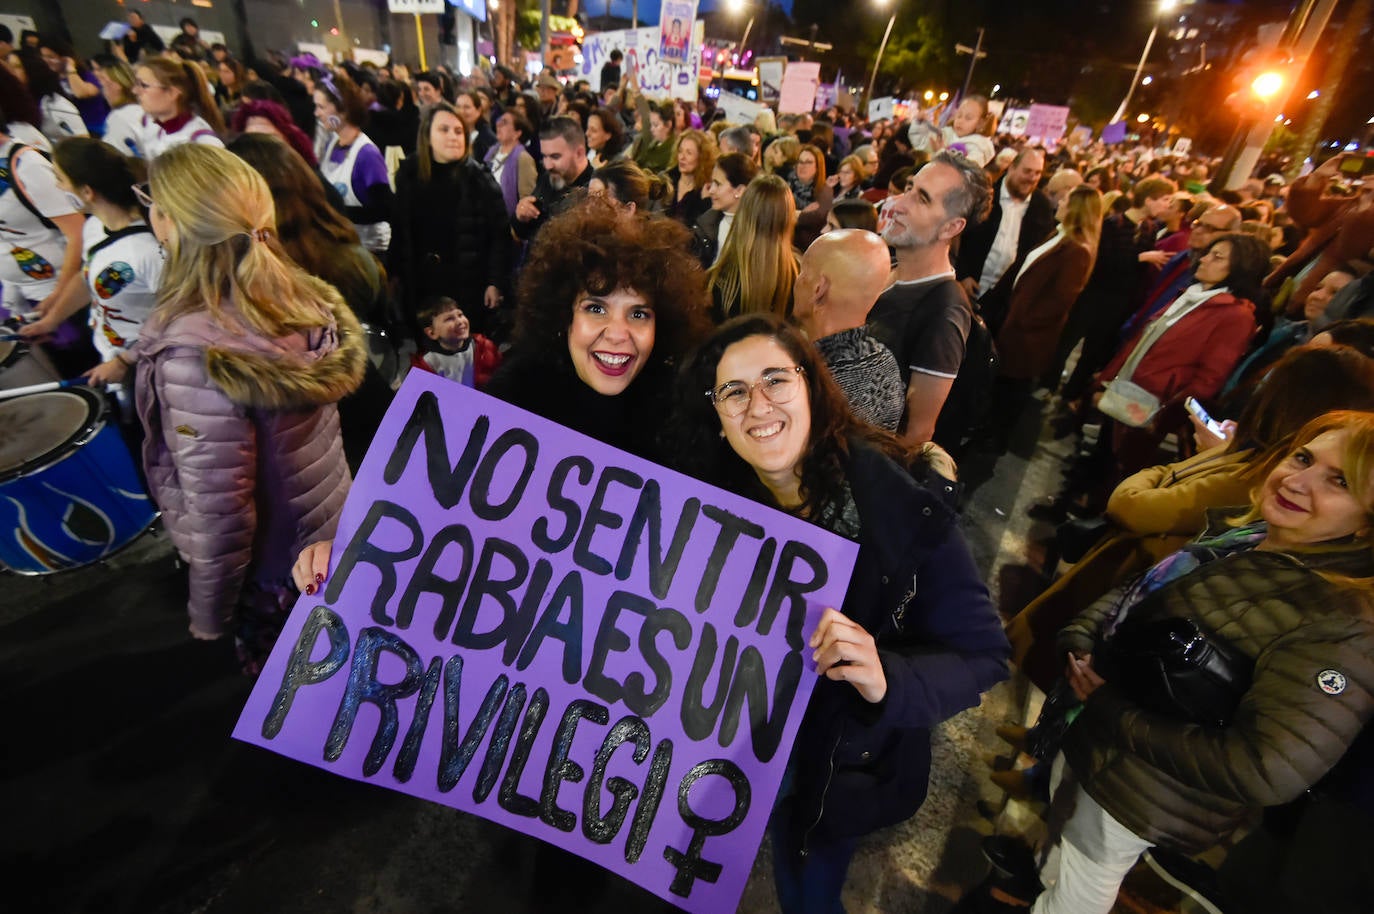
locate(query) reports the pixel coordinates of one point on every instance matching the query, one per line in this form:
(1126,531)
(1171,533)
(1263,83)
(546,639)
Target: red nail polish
(319,579)
(309,589)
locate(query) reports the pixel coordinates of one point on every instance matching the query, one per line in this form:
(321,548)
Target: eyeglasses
(779,386)
(140,84)
(141,195)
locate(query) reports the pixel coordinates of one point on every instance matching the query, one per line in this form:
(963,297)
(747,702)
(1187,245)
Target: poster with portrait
(675,30)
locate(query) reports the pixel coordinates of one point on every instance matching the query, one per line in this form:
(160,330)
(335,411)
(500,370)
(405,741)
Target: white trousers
(1084,871)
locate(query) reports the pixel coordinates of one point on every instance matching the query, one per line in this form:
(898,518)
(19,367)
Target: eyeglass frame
(768,374)
(142,195)
(140,84)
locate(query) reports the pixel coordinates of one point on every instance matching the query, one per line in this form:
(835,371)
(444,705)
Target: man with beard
(566,175)
(1020,219)
(924,315)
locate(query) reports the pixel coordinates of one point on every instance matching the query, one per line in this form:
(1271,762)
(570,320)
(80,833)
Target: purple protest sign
(1114,133)
(526,624)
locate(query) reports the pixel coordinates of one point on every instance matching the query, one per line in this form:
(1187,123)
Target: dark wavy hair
(613,125)
(1249,264)
(834,427)
(279,117)
(632,184)
(1302,385)
(594,247)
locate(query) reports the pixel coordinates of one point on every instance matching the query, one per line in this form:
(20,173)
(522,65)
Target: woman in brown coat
(1043,292)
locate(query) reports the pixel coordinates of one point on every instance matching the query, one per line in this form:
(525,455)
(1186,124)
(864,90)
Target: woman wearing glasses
(917,639)
(178,106)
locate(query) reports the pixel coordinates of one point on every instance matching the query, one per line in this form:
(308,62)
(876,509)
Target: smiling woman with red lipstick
(1287,589)
(917,639)
(608,305)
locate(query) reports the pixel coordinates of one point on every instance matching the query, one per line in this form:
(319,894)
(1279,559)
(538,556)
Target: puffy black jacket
(915,588)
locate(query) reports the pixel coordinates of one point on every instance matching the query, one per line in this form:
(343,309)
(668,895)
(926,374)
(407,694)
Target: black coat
(450,236)
(861,766)
(975,243)
(551,201)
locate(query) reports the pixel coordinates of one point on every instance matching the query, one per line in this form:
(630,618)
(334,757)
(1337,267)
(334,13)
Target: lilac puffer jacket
(243,452)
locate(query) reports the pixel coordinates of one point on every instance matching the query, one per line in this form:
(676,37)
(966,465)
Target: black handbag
(1171,666)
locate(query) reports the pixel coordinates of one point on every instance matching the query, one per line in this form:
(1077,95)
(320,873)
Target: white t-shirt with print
(60,118)
(123,269)
(123,128)
(31,253)
(154,141)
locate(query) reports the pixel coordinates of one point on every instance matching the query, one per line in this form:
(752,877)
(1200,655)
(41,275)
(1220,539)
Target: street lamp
(878,61)
(1165,6)
(737,7)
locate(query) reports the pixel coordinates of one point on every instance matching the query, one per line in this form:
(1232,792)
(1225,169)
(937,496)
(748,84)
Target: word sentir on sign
(523,623)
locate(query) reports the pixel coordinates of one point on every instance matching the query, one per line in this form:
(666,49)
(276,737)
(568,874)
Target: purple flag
(526,624)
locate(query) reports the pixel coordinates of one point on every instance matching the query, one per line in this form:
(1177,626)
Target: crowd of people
(227,244)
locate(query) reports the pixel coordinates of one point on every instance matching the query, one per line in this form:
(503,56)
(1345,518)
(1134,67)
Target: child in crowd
(965,131)
(456,352)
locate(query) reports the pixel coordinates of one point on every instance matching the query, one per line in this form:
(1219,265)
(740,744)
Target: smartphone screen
(1194,407)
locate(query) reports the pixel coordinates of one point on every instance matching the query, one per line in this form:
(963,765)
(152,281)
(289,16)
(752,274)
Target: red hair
(281,119)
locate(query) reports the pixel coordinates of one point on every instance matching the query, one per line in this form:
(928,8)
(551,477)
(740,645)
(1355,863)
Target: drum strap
(19,191)
(138,228)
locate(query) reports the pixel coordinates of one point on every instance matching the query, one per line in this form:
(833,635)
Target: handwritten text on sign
(529,625)
(658,76)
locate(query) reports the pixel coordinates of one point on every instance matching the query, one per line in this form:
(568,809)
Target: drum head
(40,428)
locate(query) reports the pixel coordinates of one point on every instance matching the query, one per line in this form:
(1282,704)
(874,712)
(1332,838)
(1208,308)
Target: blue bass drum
(69,494)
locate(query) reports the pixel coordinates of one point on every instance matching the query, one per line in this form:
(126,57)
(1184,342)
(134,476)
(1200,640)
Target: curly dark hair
(834,427)
(595,247)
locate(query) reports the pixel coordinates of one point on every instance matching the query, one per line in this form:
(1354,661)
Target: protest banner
(1081,136)
(738,110)
(1114,133)
(826,94)
(1047,122)
(770,78)
(675,30)
(880,109)
(657,76)
(1014,121)
(1183,145)
(529,625)
(799,83)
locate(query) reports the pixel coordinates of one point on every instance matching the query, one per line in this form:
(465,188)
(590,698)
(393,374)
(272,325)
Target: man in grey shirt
(841,276)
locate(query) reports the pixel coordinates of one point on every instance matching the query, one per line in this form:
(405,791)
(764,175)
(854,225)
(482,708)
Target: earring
(722,434)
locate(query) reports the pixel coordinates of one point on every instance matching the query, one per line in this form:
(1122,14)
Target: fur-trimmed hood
(309,368)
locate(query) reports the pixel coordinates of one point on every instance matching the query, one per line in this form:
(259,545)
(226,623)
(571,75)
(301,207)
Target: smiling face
(450,329)
(1025,174)
(919,214)
(467,111)
(427,94)
(1215,265)
(770,437)
(687,156)
(447,138)
(1307,499)
(610,339)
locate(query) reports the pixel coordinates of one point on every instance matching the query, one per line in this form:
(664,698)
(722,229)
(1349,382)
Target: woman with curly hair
(696,159)
(763,417)
(608,305)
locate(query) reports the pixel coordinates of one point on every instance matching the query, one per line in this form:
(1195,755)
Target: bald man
(842,275)
(1061,184)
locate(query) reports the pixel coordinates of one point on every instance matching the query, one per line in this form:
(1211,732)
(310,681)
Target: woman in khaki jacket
(1159,509)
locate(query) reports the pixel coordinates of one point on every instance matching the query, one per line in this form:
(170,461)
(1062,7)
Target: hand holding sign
(845,652)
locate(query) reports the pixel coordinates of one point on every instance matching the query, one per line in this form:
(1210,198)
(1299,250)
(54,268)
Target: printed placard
(529,625)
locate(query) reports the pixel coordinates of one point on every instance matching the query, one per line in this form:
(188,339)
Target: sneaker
(1194,879)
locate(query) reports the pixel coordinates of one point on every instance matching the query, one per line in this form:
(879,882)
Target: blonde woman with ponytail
(178,106)
(757,265)
(239,370)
